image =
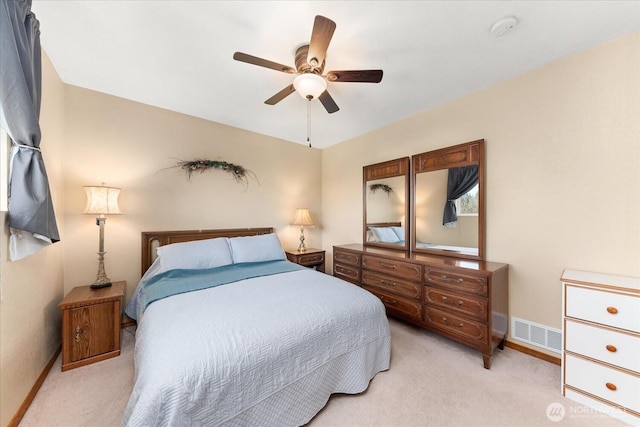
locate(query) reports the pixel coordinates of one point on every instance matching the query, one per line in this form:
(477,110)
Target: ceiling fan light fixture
(309,85)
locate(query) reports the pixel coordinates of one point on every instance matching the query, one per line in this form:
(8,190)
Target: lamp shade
(302,217)
(309,85)
(102,200)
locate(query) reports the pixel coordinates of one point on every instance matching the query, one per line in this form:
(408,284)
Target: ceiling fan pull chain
(309,122)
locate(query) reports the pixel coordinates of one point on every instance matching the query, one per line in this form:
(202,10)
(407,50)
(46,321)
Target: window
(467,205)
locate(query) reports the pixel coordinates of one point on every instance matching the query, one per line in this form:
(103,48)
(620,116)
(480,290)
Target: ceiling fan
(310,83)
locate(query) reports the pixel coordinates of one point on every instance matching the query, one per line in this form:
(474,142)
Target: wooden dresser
(601,347)
(465,300)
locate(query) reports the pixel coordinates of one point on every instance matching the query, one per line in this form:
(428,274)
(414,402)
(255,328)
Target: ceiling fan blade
(323,29)
(280,95)
(250,59)
(328,102)
(357,76)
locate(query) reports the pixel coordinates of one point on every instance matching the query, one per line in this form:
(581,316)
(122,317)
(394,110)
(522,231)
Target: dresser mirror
(386,204)
(448,202)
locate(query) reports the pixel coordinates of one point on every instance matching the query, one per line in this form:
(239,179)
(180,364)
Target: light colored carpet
(432,381)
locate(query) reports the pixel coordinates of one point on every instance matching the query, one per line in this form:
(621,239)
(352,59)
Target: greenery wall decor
(384,187)
(239,173)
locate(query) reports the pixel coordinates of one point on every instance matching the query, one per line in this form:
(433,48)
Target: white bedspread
(266,351)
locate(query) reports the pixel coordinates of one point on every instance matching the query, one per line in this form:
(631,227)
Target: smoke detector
(503,26)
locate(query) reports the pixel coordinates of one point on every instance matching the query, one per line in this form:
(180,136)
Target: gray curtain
(460,181)
(30,205)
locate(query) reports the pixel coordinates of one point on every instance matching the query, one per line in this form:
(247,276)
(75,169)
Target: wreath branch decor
(383,187)
(239,173)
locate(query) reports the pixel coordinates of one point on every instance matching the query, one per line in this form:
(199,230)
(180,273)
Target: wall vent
(536,334)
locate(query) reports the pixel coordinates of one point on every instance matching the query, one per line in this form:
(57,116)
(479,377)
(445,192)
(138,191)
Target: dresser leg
(486,359)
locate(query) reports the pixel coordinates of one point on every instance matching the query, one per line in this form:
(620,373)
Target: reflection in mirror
(386,204)
(461,235)
(448,207)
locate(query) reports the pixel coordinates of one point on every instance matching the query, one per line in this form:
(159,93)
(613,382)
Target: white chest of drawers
(601,346)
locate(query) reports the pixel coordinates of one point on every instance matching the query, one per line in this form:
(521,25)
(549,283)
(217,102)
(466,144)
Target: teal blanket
(174,282)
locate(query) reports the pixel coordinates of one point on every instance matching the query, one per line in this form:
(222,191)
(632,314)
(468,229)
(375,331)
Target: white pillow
(400,232)
(208,253)
(264,247)
(385,234)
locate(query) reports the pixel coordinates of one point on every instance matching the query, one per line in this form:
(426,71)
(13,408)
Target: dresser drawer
(457,282)
(389,283)
(616,348)
(474,307)
(346,258)
(398,305)
(610,384)
(605,307)
(404,270)
(473,332)
(347,272)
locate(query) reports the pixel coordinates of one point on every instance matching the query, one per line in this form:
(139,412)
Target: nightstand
(308,258)
(91,324)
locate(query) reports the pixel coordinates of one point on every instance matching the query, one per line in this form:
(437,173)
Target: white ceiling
(177,55)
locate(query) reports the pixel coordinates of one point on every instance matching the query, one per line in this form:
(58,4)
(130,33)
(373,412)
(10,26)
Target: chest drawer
(457,282)
(346,258)
(311,259)
(610,384)
(347,272)
(403,270)
(605,307)
(397,305)
(389,283)
(474,307)
(471,331)
(616,348)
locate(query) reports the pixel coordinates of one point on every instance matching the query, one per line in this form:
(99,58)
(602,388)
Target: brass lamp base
(100,285)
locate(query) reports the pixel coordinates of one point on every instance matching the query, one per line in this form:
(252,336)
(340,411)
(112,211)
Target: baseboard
(15,421)
(535,353)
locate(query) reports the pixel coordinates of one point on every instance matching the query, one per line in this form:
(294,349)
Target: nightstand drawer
(311,259)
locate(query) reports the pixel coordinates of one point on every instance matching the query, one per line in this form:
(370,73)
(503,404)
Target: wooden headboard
(151,240)
(385,224)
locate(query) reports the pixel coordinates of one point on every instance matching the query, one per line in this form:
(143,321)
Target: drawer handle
(446,300)
(446,322)
(388,301)
(389,266)
(612,310)
(452,280)
(78,333)
(386,283)
(611,348)
(611,386)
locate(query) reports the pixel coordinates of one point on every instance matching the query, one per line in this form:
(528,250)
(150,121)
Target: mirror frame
(455,156)
(388,169)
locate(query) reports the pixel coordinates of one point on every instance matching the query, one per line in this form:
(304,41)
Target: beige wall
(563,157)
(133,146)
(32,287)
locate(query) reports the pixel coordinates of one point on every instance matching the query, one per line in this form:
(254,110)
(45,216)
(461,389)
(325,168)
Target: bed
(231,333)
